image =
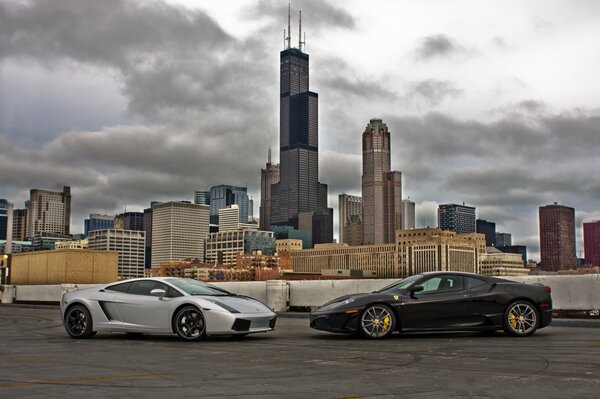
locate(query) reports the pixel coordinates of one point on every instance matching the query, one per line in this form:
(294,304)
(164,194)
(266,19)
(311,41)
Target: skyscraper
(202,197)
(299,200)
(350,219)
(179,231)
(503,239)
(223,195)
(557,238)
(591,242)
(97,222)
(458,218)
(408,214)
(19,224)
(381,187)
(49,211)
(268,177)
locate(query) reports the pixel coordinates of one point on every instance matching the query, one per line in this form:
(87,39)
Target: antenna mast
(289,30)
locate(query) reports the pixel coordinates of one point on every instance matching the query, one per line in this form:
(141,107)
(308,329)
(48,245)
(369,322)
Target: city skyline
(500,115)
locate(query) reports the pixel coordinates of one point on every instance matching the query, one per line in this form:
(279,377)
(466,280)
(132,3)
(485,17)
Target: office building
(3,219)
(515,249)
(497,263)
(229,218)
(288,245)
(268,176)
(408,214)
(289,233)
(591,243)
(350,219)
(503,239)
(148,231)
(71,244)
(222,196)
(129,245)
(43,241)
(457,218)
(179,231)
(488,229)
(381,187)
(19,224)
(129,221)
(97,222)
(557,238)
(299,190)
(49,211)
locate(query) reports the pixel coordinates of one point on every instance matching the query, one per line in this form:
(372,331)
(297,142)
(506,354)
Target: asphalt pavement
(39,360)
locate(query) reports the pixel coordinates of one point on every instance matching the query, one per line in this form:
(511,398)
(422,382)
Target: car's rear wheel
(78,322)
(189,324)
(377,321)
(521,319)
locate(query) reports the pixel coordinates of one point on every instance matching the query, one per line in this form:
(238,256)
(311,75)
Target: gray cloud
(432,91)
(435,46)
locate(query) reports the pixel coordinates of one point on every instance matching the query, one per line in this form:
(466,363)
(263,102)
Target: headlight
(338,304)
(346,302)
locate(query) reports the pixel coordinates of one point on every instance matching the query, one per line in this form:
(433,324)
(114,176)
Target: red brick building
(591,242)
(557,238)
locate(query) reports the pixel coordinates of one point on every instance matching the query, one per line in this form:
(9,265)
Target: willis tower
(299,200)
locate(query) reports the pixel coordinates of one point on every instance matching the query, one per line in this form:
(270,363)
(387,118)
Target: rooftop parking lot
(39,360)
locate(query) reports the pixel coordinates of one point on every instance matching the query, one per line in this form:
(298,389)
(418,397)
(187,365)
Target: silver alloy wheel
(522,318)
(76,322)
(190,323)
(377,321)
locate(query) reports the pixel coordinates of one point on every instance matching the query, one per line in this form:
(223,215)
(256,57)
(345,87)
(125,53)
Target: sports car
(440,301)
(189,308)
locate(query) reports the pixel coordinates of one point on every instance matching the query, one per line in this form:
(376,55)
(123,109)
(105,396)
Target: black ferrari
(440,301)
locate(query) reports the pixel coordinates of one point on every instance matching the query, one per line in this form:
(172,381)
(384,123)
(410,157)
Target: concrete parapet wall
(568,292)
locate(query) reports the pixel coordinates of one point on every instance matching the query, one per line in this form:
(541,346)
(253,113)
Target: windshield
(401,285)
(195,287)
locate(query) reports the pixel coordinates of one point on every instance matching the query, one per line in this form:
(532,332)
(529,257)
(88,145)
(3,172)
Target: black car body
(440,301)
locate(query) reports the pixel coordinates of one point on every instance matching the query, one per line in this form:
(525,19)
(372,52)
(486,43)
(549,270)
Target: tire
(377,321)
(189,324)
(78,322)
(521,319)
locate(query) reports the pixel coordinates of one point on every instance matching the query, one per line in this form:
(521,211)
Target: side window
(473,282)
(143,287)
(123,287)
(442,284)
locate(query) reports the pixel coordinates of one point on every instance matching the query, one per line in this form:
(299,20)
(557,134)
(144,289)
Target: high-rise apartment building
(49,211)
(268,176)
(97,222)
(381,187)
(19,224)
(557,238)
(489,229)
(179,231)
(299,200)
(223,195)
(350,219)
(3,218)
(129,244)
(591,242)
(408,214)
(457,218)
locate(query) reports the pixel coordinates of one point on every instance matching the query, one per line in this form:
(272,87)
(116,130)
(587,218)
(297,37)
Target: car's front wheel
(189,323)
(521,319)
(377,321)
(78,322)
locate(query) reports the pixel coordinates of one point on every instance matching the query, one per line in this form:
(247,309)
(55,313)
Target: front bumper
(335,321)
(225,323)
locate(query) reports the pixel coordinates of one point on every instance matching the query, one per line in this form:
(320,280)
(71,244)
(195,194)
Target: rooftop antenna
(300,42)
(289,29)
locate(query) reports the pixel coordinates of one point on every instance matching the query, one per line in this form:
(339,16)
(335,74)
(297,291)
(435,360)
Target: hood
(239,304)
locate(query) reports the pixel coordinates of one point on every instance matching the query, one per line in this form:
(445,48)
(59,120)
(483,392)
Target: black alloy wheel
(521,319)
(189,324)
(377,321)
(78,322)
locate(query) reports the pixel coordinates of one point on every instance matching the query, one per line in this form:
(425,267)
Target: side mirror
(415,288)
(159,292)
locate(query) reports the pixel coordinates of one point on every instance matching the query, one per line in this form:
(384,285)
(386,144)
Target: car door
(442,303)
(140,311)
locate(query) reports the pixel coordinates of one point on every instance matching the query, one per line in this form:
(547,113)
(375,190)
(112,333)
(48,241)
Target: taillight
(548,289)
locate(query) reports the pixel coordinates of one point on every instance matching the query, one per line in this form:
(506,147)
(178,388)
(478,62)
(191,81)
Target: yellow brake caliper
(512,319)
(386,324)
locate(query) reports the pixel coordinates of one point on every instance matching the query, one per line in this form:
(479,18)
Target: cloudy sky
(494,104)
